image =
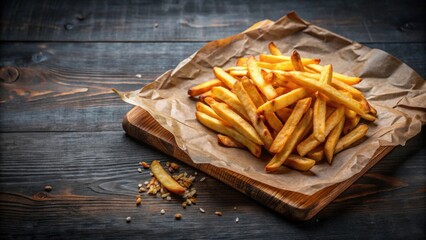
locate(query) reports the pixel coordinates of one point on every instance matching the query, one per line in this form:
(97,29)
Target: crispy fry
(278,59)
(233,119)
(284,66)
(165,179)
(223,76)
(320,109)
(317,153)
(311,142)
(353,136)
(238,73)
(326,75)
(281,157)
(332,140)
(280,140)
(299,163)
(271,118)
(348,88)
(250,108)
(255,74)
(350,123)
(203,87)
(282,101)
(228,141)
(343,78)
(223,128)
(201,107)
(296,61)
(229,98)
(305,80)
(274,49)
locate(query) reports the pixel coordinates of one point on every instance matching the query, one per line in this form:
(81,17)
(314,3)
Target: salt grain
(138,75)
(128,219)
(202,210)
(162,211)
(139,170)
(218,213)
(237,220)
(202,179)
(169,198)
(146,183)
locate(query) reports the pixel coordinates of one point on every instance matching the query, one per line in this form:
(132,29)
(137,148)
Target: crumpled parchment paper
(394,89)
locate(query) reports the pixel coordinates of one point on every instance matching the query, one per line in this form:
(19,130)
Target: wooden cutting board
(140,125)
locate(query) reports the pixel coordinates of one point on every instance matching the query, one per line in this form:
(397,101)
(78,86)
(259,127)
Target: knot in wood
(9,74)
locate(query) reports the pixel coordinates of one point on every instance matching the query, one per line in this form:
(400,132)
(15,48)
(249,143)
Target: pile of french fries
(298,110)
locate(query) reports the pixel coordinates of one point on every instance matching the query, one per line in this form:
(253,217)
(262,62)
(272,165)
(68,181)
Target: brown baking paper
(395,90)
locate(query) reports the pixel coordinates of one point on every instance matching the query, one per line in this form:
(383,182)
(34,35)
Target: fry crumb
(162,211)
(139,170)
(128,219)
(195,173)
(146,183)
(218,213)
(138,201)
(138,75)
(178,216)
(48,188)
(168,198)
(141,189)
(144,165)
(139,185)
(202,210)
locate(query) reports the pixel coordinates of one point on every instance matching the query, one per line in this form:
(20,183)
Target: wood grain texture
(67,86)
(93,192)
(192,20)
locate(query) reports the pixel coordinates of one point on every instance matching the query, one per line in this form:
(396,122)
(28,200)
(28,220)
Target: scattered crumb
(146,183)
(128,219)
(235,208)
(202,179)
(218,213)
(178,216)
(195,173)
(162,211)
(168,198)
(139,170)
(138,75)
(237,220)
(144,165)
(202,210)
(48,188)
(155,25)
(138,201)
(139,185)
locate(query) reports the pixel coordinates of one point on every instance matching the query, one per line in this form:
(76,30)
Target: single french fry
(278,59)
(282,156)
(355,93)
(203,87)
(256,75)
(332,140)
(317,153)
(235,120)
(350,123)
(299,163)
(255,96)
(223,76)
(201,107)
(326,75)
(238,73)
(235,68)
(306,80)
(250,108)
(348,113)
(320,110)
(296,61)
(282,101)
(242,62)
(228,141)
(274,49)
(284,113)
(223,128)
(284,66)
(229,98)
(280,140)
(353,136)
(311,142)
(343,78)
(165,179)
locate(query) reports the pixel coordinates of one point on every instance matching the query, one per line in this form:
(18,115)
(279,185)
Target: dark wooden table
(61,124)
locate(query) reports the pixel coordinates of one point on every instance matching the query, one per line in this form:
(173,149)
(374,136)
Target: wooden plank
(140,125)
(67,86)
(191,20)
(93,192)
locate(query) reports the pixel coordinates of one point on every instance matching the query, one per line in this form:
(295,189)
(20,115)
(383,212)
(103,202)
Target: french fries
(296,109)
(165,179)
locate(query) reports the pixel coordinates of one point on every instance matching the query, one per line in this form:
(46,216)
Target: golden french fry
(201,107)
(343,78)
(296,61)
(355,93)
(306,80)
(235,68)
(204,95)
(350,123)
(280,140)
(281,157)
(229,98)
(223,76)
(256,75)
(274,49)
(233,119)
(353,136)
(221,127)
(165,179)
(299,163)
(282,101)
(317,153)
(284,66)
(228,141)
(326,75)
(284,113)
(238,73)
(278,59)
(271,118)
(250,108)
(332,140)
(320,110)
(311,142)
(203,87)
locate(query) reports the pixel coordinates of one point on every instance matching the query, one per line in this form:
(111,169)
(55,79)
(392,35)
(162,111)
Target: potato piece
(353,136)
(274,49)
(280,140)
(296,61)
(223,76)
(282,156)
(228,141)
(250,108)
(165,179)
(332,140)
(256,75)
(233,119)
(223,128)
(201,107)
(299,163)
(203,87)
(282,101)
(311,142)
(320,109)
(238,73)
(343,78)
(229,98)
